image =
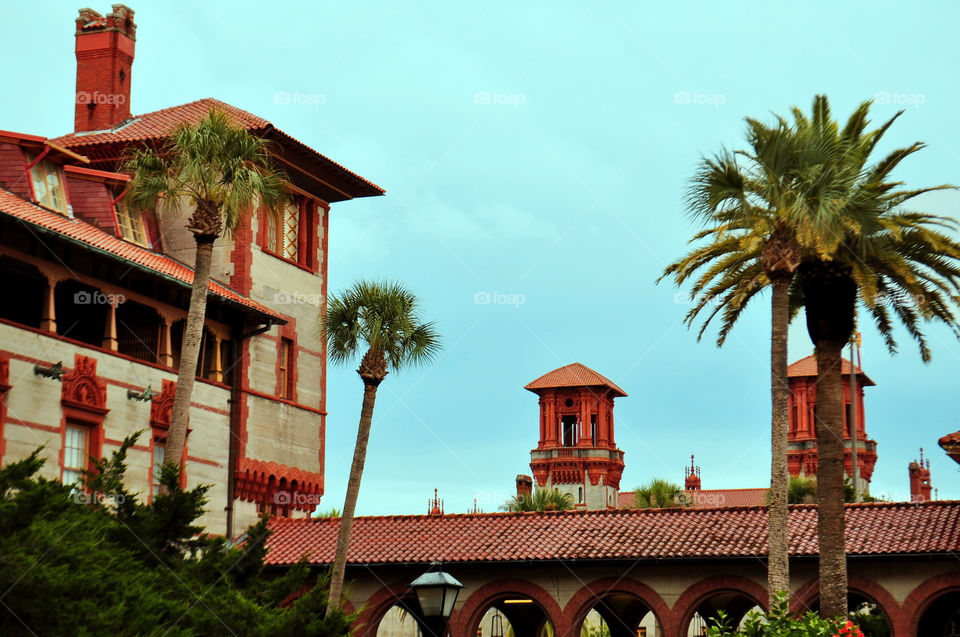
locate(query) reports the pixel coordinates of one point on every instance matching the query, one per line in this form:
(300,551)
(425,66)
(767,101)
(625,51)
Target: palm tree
(381,320)
(223,172)
(659,494)
(747,198)
(540,500)
(864,246)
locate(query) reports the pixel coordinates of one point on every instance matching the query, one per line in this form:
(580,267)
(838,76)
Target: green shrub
(780,623)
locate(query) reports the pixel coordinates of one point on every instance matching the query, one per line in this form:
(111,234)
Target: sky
(534,155)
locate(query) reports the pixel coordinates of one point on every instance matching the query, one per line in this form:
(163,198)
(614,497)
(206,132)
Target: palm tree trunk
(350,501)
(778,561)
(190,353)
(830,496)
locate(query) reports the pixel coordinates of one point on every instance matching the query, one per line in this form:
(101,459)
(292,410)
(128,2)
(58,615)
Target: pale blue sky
(541,149)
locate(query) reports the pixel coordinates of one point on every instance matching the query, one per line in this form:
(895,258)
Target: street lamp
(437,593)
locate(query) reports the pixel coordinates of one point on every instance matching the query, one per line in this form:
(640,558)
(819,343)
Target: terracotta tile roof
(872,529)
(89,235)
(808,367)
(951,439)
(159,124)
(573,375)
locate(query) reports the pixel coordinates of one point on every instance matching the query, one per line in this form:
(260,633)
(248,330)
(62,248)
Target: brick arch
(686,605)
(587,597)
(922,596)
(373,610)
(807,594)
(466,620)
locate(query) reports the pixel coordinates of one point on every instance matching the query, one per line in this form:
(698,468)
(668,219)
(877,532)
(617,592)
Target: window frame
(286,357)
(84,455)
(123,211)
(157,441)
(274,228)
(40,163)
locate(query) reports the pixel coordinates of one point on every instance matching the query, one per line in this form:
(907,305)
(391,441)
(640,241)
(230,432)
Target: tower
(105,50)
(802,437)
(920,486)
(576,452)
(691,476)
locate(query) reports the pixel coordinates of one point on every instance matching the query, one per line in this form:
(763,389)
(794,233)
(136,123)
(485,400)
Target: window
(47,185)
(285,389)
(580,495)
(159,454)
(75,441)
(283,232)
(130,224)
(568,430)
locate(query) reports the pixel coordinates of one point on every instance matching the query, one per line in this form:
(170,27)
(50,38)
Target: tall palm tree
(381,320)
(223,172)
(746,198)
(541,500)
(864,246)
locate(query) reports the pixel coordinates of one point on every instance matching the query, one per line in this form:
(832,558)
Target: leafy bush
(104,563)
(780,623)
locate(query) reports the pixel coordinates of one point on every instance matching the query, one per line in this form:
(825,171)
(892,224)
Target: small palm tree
(659,494)
(541,500)
(381,320)
(223,172)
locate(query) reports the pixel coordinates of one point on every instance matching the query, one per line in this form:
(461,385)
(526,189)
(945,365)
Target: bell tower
(802,436)
(577,453)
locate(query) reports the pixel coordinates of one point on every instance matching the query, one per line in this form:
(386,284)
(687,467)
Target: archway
(701,604)
(393,611)
(81,312)
(618,607)
(138,331)
(24,283)
(933,608)
(874,607)
(513,606)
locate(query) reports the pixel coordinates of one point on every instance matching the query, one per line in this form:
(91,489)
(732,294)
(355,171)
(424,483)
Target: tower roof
(573,375)
(808,367)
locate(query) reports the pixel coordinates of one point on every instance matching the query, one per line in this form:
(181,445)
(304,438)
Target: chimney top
(120,20)
(105,48)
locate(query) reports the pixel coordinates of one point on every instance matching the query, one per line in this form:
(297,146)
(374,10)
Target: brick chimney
(524,485)
(692,477)
(920,487)
(105,47)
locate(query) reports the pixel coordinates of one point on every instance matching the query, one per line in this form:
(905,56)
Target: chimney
(920,487)
(524,485)
(692,475)
(105,47)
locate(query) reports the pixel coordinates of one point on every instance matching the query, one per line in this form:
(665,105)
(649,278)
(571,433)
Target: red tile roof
(99,240)
(573,375)
(951,439)
(159,124)
(872,529)
(808,367)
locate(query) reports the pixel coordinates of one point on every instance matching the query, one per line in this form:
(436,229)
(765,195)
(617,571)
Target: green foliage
(211,162)
(780,623)
(803,490)
(541,500)
(101,562)
(381,316)
(659,494)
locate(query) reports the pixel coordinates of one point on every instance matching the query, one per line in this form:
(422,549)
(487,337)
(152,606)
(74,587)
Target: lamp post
(437,593)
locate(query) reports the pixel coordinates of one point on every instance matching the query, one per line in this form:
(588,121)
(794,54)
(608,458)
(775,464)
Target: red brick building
(97,293)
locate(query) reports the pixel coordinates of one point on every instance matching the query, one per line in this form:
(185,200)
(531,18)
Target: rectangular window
(75,442)
(286,373)
(283,232)
(159,453)
(47,186)
(131,224)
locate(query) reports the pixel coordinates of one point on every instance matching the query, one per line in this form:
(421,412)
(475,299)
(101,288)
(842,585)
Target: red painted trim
(100,174)
(301,349)
(34,425)
(23,137)
(212,463)
(258,394)
(83,399)
(117,443)
(288,332)
(466,620)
